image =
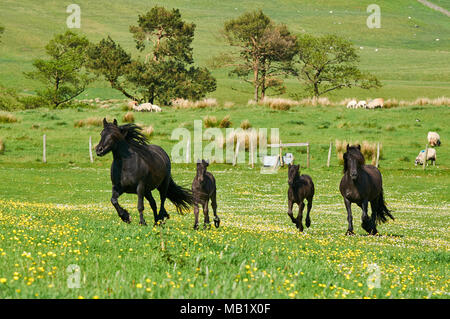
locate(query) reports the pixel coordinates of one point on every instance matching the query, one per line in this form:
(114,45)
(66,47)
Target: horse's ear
(105,122)
(359,147)
(298,167)
(206,163)
(289,165)
(115,122)
(348,146)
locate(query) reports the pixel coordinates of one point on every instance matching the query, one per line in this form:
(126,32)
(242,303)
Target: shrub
(33,102)
(128,117)
(9,100)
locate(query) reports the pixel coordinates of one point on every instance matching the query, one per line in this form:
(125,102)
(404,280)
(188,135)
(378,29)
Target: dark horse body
(204,189)
(138,168)
(300,187)
(362,184)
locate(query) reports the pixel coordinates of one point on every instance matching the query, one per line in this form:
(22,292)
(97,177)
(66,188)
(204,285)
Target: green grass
(57,214)
(409,61)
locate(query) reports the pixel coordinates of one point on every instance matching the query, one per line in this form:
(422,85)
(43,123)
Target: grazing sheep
(375,103)
(361,104)
(352,104)
(434,139)
(431,155)
(146,107)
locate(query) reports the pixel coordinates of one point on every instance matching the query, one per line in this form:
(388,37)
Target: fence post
(329,156)
(44,151)
(90,150)
(251,150)
(426,156)
(307,155)
(378,154)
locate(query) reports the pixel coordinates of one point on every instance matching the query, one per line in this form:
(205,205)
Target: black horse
(138,168)
(300,187)
(204,189)
(362,184)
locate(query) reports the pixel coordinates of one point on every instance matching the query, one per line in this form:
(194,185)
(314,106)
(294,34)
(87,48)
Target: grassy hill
(409,60)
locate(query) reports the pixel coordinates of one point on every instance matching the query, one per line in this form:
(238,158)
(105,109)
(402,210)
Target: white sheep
(431,155)
(144,107)
(352,104)
(375,103)
(434,139)
(361,104)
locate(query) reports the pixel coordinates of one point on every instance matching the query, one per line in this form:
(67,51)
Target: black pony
(204,189)
(138,168)
(362,184)
(300,187)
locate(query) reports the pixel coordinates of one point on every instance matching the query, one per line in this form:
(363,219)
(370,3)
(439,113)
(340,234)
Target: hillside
(409,59)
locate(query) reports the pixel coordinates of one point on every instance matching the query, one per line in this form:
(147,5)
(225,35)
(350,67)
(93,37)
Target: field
(58,214)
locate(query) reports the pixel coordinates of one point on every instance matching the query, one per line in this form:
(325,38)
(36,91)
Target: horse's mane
(133,135)
(354,152)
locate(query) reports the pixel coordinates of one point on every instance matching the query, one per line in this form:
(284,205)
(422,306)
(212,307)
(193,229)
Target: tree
(265,51)
(169,73)
(327,63)
(110,60)
(64,74)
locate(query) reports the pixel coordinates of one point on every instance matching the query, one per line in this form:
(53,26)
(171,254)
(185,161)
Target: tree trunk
(255,81)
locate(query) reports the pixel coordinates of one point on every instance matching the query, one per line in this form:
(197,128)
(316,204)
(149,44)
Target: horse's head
(353,160)
(201,170)
(293,173)
(109,137)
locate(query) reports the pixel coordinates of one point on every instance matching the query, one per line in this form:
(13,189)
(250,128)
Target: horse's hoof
(143,223)
(196,227)
(206,226)
(350,233)
(308,223)
(217,222)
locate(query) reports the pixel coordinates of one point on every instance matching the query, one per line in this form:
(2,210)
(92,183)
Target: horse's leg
(308,220)
(163,195)
(206,223)
(291,215)
(152,202)
(300,216)
(214,207)
(196,211)
(374,207)
(140,191)
(366,222)
(348,206)
(123,214)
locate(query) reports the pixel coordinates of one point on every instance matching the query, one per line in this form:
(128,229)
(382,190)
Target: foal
(300,187)
(204,189)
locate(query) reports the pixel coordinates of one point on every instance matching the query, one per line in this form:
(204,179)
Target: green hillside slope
(404,52)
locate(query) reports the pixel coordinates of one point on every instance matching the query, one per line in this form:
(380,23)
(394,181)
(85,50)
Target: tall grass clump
(148,131)
(245,125)
(368,149)
(2,146)
(275,103)
(186,104)
(6,117)
(90,121)
(225,123)
(210,121)
(128,117)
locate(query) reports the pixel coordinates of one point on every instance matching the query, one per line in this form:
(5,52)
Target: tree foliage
(166,71)
(327,63)
(265,51)
(64,75)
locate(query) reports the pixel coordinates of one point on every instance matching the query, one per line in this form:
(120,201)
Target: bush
(33,102)
(9,100)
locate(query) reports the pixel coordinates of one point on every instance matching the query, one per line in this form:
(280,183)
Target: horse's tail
(382,212)
(181,197)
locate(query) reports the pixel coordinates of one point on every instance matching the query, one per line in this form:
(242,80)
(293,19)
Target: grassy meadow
(58,214)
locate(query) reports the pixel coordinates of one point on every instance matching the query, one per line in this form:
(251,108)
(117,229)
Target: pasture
(59,214)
